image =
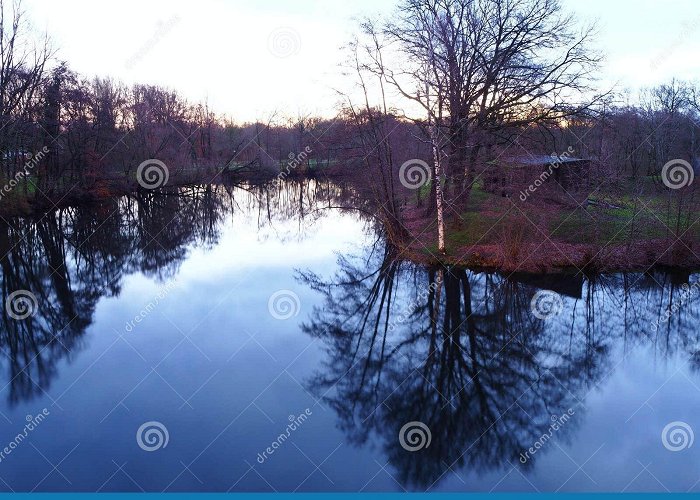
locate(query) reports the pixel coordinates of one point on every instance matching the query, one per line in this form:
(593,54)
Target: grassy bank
(604,234)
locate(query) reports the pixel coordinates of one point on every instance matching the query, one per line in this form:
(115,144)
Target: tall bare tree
(489,67)
(23,60)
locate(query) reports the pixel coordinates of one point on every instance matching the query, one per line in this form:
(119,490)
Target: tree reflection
(458,350)
(461,352)
(72,257)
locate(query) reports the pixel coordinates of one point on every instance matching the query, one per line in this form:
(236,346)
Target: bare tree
(22,69)
(489,67)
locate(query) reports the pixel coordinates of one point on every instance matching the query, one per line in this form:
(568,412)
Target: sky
(250,58)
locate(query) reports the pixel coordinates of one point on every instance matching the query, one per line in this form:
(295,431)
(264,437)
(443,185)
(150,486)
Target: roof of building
(544,160)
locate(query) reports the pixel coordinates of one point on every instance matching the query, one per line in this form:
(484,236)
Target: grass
(490,219)
(18,198)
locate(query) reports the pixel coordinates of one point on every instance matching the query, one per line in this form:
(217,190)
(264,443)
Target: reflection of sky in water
(617,444)
(223,348)
(224,376)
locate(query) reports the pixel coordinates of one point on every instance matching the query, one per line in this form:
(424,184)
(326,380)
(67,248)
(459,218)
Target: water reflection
(462,352)
(456,349)
(71,258)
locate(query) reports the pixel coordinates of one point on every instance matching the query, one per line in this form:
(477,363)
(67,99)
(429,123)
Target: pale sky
(249,58)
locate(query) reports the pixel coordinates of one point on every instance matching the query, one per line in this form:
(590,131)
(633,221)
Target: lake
(259,338)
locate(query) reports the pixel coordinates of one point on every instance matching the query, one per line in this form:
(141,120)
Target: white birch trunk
(437,177)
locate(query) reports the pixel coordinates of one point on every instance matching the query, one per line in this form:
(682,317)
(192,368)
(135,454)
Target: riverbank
(605,234)
(27,197)
(504,234)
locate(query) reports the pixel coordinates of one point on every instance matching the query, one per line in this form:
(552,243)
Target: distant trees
(633,136)
(456,83)
(97,130)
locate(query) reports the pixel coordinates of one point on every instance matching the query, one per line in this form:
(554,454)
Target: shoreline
(490,258)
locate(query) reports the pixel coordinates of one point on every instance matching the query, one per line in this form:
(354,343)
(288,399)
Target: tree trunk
(437,181)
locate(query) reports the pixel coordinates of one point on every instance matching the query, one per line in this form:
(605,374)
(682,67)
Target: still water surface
(256,306)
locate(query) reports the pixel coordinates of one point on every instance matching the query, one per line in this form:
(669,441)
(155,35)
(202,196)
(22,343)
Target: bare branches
(482,68)
(22,60)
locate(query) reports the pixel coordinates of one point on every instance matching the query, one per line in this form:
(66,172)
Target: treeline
(479,96)
(634,137)
(97,128)
(97,131)
(628,139)
(64,135)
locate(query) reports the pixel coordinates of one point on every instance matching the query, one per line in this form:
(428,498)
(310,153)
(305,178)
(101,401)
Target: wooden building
(541,177)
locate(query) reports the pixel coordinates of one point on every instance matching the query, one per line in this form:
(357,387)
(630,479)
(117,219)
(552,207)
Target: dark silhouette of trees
(462,353)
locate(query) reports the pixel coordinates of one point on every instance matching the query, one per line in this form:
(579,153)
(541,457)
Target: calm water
(281,346)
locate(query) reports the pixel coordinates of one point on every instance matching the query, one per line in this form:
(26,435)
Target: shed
(538,177)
